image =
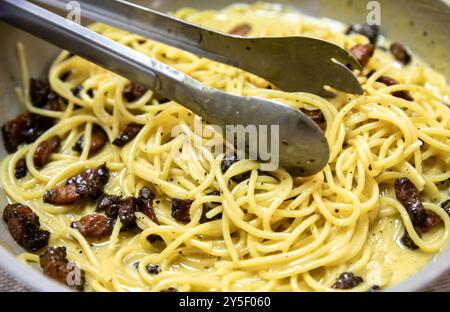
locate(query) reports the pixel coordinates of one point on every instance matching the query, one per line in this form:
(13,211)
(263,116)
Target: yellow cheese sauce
(277,232)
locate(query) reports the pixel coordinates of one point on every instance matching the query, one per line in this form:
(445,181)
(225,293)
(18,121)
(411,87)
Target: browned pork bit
(62,195)
(44,150)
(369,31)
(153,238)
(53,102)
(133,91)
(374,288)
(400,94)
(228,161)
(363,53)
(65,76)
(347,280)
(94,225)
(400,53)
(389,81)
(20,169)
(152,269)
(39,90)
(90,183)
(127,210)
(98,140)
(42,96)
(76,91)
(87,185)
(145,203)
(127,134)
(24,227)
(316,115)
(170,289)
(422,219)
(241,30)
(181,209)
(446,206)
(431,220)
(110,204)
(408,242)
(204,218)
(13,132)
(25,128)
(407,193)
(55,265)
(209,206)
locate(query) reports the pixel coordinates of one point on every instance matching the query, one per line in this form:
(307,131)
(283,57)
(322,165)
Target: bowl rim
(27,275)
(39,282)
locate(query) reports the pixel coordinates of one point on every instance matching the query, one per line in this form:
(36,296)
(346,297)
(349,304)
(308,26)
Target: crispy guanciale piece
(127,210)
(98,140)
(431,220)
(316,115)
(229,160)
(400,53)
(76,90)
(55,265)
(145,203)
(347,281)
(53,102)
(152,269)
(94,225)
(20,169)
(153,238)
(90,183)
(87,185)
(408,242)
(390,82)
(180,209)
(127,134)
(422,219)
(407,193)
(133,91)
(374,288)
(369,31)
(363,53)
(110,204)
(170,289)
(62,195)
(39,90)
(446,206)
(13,132)
(44,150)
(24,227)
(25,128)
(241,30)
(43,96)
(209,206)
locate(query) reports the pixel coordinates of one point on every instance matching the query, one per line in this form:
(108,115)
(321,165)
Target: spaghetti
(277,232)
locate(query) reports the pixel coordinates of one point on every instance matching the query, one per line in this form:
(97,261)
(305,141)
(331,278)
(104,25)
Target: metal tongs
(291,63)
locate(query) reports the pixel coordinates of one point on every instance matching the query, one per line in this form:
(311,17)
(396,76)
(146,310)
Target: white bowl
(424,25)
